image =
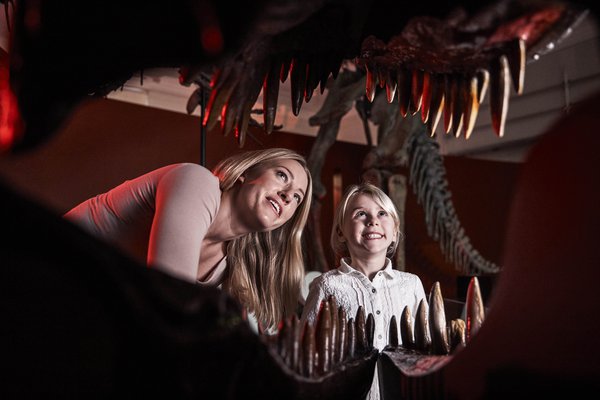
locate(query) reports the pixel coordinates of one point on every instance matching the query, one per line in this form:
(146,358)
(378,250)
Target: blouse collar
(347,269)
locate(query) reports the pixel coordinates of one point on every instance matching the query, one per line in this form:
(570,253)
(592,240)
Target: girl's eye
(360,213)
(382,213)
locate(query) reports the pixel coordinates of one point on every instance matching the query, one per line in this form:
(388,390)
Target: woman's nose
(284,196)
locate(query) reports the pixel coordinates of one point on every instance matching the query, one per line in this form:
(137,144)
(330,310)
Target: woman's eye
(282,175)
(298,198)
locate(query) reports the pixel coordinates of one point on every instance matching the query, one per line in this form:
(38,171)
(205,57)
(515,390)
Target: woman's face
(367,228)
(270,195)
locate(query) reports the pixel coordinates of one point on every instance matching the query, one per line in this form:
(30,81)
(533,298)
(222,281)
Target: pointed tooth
(282,338)
(457,334)
(516,62)
(406,329)
(475,310)
(308,351)
(311,81)
(437,321)
(241,127)
(448,102)
(370,85)
(323,333)
(499,93)
(483,80)
(343,335)
(295,343)
(426,98)
(393,333)
(403,90)
(333,308)
(297,84)
(285,69)
(361,331)
(416,91)
(457,105)
(216,102)
(471,105)
(351,352)
(390,86)
(422,338)
(370,331)
(436,105)
(270,96)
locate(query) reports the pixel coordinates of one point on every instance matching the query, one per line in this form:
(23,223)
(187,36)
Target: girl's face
(367,228)
(270,195)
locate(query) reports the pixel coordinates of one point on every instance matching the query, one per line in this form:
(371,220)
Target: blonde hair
(269,267)
(382,199)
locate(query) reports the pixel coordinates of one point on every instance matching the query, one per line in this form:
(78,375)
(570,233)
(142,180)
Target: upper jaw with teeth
(275,205)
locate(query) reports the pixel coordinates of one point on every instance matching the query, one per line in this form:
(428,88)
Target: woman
(239,226)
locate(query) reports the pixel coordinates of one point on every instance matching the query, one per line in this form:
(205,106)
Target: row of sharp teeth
(313,351)
(456,96)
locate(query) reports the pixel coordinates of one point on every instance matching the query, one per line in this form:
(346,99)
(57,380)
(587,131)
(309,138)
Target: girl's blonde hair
(383,200)
(268,266)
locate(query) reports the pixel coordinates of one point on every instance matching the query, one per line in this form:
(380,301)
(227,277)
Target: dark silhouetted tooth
(370,330)
(471,105)
(295,343)
(393,341)
(297,84)
(457,105)
(333,308)
(475,310)
(448,102)
(218,98)
(361,331)
(312,80)
(416,91)
(403,89)
(323,82)
(285,69)
(381,76)
(323,332)
(370,84)
(436,104)
(499,93)
(308,351)
(426,98)
(282,338)
(457,334)
(390,86)
(422,338)
(351,350)
(270,96)
(342,335)
(516,62)
(437,321)
(241,127)
(406,329)
(483,80)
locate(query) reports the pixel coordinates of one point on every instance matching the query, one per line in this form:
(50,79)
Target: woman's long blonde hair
(266,268)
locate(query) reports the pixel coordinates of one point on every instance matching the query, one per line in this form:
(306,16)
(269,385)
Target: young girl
(365,233)
(238,226)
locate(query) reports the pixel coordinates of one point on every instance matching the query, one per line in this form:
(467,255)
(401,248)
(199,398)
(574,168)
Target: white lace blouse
(387,295)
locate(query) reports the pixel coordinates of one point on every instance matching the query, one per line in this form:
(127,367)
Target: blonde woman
(238,226)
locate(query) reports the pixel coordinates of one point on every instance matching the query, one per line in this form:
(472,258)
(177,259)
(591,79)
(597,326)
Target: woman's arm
(187,201)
